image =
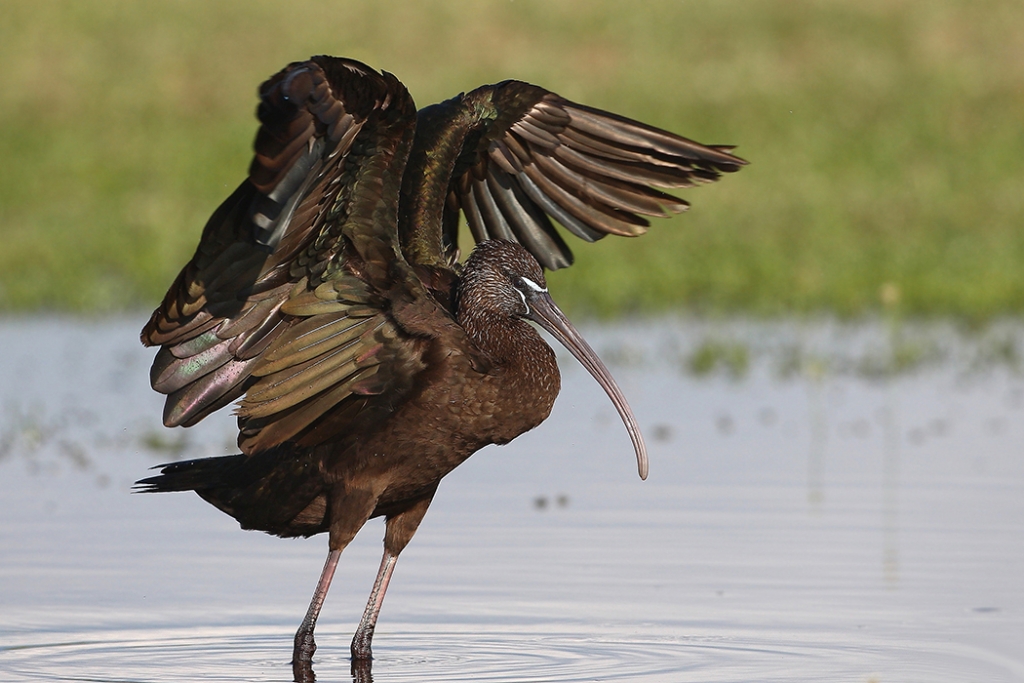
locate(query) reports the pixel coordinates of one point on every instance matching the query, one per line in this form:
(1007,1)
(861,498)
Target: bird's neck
(505,341)
(522,376)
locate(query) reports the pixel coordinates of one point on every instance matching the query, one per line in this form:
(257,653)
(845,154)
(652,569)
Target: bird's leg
(364,634)
(304,644)
(350,507)
(399,531)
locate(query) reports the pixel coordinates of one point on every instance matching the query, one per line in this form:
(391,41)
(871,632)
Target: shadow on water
(826,502)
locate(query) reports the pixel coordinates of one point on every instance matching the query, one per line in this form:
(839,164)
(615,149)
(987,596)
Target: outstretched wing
(537,156)
(280,301)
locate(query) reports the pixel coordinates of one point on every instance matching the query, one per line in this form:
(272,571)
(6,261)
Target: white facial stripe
(533,285)
(523,297)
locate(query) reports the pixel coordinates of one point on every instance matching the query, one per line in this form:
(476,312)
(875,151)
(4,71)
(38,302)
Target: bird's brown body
(447,420)
(326,295)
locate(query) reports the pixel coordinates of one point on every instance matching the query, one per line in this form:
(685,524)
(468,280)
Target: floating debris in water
(662,432)
(541,502)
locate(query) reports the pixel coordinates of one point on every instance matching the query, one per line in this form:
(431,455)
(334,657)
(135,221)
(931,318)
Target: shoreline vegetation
(884,137)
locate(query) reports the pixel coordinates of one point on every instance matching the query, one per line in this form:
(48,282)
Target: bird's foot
(305,646)
(302,657)
(361,646)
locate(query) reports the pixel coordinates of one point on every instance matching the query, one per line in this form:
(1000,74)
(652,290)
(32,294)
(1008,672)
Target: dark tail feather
(279,490)
(192,475)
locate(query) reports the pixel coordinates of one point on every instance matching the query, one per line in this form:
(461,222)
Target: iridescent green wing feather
(529,157)
(285,286)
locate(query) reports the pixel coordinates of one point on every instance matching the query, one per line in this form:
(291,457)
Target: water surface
(821,511)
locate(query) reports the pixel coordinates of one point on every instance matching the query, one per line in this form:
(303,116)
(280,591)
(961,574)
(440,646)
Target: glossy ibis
(326,294)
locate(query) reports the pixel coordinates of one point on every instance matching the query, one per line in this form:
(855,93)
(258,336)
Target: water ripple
(498,654)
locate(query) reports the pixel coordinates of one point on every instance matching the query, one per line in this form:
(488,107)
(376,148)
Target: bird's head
(501,277)
(503,281)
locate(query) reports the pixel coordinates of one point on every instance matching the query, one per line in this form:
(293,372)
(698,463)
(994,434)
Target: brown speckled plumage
(326,299)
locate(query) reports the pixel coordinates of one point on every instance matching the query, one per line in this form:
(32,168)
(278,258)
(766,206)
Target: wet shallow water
(814,520)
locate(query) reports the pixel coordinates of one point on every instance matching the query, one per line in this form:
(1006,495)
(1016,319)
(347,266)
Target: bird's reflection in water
(303,671)
(361,670)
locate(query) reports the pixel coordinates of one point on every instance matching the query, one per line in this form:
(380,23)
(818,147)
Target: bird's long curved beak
(546,313)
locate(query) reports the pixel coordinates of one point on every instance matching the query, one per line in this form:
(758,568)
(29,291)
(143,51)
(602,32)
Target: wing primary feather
(497,226)
(504,158)
(192,402)
(250,318)
(249,342)
(582,142)
(634,173)
(639,165)
(518,150)
(473,217)
(550,111)
(272,160)
(535,134)
(576,227)
(595,191)
(169,374)
(176,330)
(530,226)
(307,172)
(542,125)
(621,223)
(197,344)
(633,133)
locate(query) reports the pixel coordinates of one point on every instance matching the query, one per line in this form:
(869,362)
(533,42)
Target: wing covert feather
(538,156)
(271,299)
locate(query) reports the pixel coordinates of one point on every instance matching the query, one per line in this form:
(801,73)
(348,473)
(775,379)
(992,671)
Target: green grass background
(886,139)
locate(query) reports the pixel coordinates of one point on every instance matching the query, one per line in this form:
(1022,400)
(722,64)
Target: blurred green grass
(885,139)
